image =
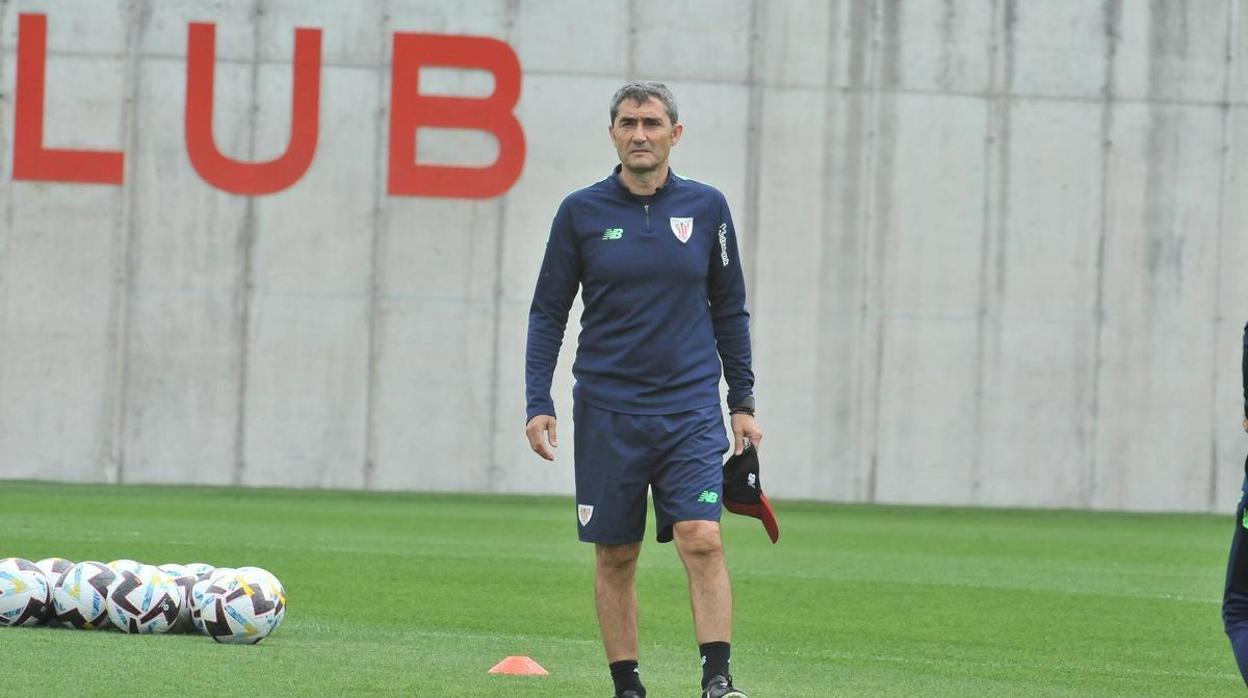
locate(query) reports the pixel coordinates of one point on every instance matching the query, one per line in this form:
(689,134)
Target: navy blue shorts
(679,457)
(1235,592)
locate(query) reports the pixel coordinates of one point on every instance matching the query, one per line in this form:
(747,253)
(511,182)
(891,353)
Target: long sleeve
(729,317)
(557,284)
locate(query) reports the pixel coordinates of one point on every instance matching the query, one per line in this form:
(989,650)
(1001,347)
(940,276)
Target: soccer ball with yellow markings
(24,592)
(243,607)
(144,602)
(80,595)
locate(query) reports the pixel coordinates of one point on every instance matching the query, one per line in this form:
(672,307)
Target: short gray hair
(640,93)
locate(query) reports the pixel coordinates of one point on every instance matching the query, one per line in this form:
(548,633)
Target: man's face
(643,135)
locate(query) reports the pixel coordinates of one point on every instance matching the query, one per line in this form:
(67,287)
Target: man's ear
(676,131)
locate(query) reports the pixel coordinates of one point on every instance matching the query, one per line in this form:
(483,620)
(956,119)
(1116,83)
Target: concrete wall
(995,248)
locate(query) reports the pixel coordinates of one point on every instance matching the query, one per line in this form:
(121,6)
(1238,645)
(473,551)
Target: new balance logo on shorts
(708,496)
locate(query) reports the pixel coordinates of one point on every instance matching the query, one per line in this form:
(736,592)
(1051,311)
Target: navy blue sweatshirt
(664,297)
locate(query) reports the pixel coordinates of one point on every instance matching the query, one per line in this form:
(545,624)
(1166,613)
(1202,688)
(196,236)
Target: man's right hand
(541,431)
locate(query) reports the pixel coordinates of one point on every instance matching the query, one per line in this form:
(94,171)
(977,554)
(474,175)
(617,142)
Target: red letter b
(410,110)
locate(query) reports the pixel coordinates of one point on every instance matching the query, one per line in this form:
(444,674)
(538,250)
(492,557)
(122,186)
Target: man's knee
(616,558)
(699,539)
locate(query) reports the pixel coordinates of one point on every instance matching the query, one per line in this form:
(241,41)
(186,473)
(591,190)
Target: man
(1235,594)
(655,257)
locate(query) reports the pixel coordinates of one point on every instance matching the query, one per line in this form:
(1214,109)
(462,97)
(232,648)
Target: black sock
(627,677)
(715,658)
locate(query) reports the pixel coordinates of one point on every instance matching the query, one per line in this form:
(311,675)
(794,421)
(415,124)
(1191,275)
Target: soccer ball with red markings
(24,592)
(53,568)
(125,564)
(199,569)
(244,607)
(147,601)
(184,624)
(80,595)
(267,578)
(197,600)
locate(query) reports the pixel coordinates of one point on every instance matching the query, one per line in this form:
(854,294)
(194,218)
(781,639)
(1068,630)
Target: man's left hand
(745,427)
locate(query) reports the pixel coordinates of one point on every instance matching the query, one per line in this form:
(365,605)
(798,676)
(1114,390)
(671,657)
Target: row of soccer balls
(233,605)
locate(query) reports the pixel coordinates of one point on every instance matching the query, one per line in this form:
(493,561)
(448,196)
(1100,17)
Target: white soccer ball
(53,568)
(186,578)
(173,569)
(199,569)
(200,593)
(244,608)
(117,566)
(265,574)
(147,601)
(184,624)
(80,596)
(24,592)
(198,599)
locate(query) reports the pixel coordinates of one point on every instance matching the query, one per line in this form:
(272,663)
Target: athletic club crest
(584,512)
(682,228)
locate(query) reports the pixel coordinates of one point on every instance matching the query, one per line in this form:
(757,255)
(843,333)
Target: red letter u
(236,176)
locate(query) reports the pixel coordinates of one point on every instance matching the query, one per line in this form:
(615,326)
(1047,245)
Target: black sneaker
(629,694)
(721,687)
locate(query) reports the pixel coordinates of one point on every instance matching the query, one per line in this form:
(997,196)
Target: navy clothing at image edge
(1235,593)
(648,269)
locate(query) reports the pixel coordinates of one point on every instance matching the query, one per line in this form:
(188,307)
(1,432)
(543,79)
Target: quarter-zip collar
(673,181)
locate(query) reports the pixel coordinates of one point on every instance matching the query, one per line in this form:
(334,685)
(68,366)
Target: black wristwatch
(744,406)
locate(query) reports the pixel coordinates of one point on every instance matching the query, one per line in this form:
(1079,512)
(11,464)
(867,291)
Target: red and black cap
(743,491)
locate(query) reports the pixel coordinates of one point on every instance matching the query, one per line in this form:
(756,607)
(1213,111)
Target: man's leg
(710,593)
(616,597)
(687,494)
(612,479)
(1235,597)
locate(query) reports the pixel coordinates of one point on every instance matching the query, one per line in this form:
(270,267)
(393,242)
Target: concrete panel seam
(870,319)
(829,189)
(632,41)
(113,450)
(856,149)
(995,262)
(992,182)
(247,244)
(886,70)
(493,468)
(379,221)
(6,210)
(1224,176)
(4,51)
(753,149)
(6,192)
(1090,473)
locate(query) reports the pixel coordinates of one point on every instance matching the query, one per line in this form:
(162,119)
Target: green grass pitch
(419,595)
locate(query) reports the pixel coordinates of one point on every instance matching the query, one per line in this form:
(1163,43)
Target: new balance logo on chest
(612,233)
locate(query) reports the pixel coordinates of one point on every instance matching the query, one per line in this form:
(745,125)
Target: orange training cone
(519,666)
